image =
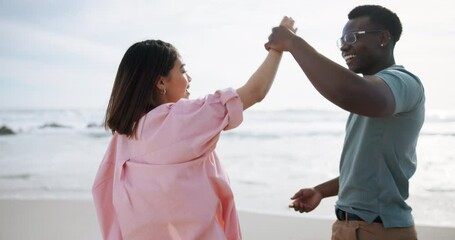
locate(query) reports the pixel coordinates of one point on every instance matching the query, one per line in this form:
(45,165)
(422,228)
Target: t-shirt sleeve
(406,89)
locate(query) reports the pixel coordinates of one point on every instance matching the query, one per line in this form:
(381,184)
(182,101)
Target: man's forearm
(329,188)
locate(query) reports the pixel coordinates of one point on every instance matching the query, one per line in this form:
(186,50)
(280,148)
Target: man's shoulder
(398,71)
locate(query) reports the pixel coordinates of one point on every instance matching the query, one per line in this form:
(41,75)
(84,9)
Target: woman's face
(176,83)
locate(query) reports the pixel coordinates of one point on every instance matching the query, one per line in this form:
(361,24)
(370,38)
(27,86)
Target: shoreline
(68,219)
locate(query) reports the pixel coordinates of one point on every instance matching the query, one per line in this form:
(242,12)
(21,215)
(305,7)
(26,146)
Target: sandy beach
(49,219)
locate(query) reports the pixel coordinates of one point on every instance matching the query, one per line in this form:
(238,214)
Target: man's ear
(386,38)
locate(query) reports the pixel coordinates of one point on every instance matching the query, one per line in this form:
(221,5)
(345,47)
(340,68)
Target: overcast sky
(65,54)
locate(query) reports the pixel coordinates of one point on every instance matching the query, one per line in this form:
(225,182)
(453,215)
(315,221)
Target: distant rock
(4,130)
(54,125)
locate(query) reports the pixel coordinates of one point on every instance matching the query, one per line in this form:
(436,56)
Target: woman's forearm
(257,87)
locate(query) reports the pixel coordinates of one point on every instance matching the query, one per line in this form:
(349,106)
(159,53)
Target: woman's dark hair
(134,92)
(381,16)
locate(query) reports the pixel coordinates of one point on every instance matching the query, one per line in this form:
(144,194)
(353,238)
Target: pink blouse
(169,183)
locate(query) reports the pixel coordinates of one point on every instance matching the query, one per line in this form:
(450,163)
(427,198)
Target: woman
(160,177)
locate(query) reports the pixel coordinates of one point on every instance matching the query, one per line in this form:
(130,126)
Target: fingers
(279,39)
(267,44)
(300,207)
(297,194)
(288,22)
(302,201)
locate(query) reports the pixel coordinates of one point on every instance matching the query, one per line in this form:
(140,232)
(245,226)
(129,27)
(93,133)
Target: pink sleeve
(202,120)
(224,106)
(189,127)
(234,107)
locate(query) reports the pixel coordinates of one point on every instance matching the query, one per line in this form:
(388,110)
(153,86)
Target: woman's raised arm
(257,87)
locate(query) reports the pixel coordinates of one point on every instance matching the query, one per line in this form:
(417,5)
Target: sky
(64,54)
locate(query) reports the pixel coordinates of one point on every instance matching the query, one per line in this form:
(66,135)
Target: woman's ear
(157,93)
(160,84)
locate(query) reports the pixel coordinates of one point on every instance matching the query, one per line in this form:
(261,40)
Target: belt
(342,216)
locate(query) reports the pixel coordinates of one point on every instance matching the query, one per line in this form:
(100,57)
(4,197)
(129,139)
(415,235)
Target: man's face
(362,51)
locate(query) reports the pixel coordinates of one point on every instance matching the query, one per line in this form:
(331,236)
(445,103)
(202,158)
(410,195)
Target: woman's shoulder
(219,97)
(211,112)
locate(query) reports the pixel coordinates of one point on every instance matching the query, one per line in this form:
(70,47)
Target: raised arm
(368,95)
(258,85)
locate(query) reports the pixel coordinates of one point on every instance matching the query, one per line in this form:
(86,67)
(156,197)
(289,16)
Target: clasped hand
(280,38)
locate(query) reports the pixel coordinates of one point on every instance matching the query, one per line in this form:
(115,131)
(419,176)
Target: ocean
(274,153)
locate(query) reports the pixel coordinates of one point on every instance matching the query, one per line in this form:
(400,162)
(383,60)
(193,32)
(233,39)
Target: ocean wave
(264,135)
(268,124)
(442,190)
(54,125)
(250,182)
(102,134)
(296,115)
(443,134)
(16,176)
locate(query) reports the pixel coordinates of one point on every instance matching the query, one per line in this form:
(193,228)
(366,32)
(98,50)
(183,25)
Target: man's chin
(355,69)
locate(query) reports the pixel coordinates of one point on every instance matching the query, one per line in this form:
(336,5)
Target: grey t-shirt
(379,154)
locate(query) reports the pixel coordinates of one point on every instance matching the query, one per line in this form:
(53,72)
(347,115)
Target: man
(386,105)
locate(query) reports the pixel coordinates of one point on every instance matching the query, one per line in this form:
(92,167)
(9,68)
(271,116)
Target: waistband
(345,216)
